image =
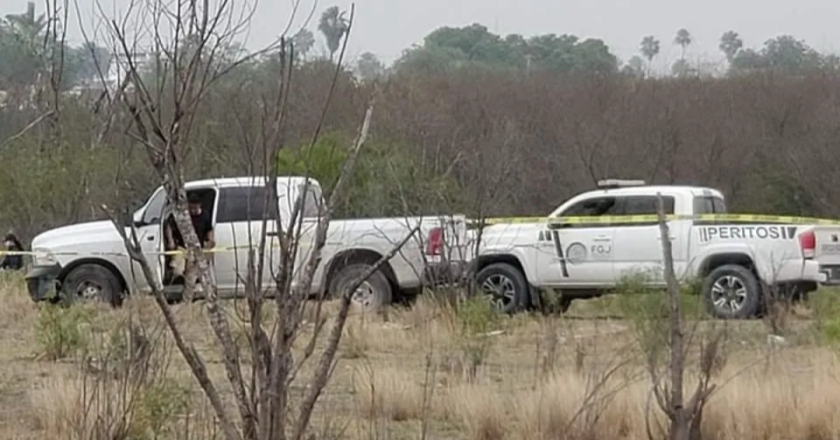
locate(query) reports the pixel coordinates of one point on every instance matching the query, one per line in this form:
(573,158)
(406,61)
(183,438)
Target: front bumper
(42,282)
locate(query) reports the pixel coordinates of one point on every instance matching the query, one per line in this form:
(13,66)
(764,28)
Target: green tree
(781,54)
(649,49)
(683,40)
(730,45)
(635,67)
(21,48)
(303,42)
(369,67)
(474,46)
(683,69)
(334,26)
(28,26)
(371,192)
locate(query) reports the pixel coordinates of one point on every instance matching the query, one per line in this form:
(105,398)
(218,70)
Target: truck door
(638,246)
(582,253)
(238,224)
(309,204)
(302,231)
(148,223)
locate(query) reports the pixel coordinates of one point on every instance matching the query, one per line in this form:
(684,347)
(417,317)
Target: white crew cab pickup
(90,260)
(735,261)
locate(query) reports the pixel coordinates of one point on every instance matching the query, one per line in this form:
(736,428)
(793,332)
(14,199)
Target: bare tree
(684,414)
(190,53)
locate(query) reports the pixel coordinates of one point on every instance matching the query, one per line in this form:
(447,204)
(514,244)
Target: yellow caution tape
(216,250)
(635,219)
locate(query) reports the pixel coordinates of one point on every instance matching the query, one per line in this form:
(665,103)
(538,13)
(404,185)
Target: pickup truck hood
(101,232)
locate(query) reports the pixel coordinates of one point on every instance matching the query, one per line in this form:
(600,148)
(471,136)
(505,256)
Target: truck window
(709,205)
(595,207)
(242,204)
(154,210)
(646,205)
(311,202)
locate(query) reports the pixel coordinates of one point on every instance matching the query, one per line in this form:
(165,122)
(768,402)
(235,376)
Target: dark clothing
(12,262)
(202,223)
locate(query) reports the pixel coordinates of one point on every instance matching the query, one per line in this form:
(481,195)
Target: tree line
(25,49)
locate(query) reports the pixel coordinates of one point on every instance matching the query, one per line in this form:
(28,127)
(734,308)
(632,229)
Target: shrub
(59,331)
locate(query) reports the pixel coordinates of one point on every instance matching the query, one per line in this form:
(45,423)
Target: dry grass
(540,379)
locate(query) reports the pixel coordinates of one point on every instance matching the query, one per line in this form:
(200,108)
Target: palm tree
(649,48)
(334,27)
(683,39)
(27,25)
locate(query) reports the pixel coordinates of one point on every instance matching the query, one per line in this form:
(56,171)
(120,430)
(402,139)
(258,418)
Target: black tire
(496,277)
(374,293)
(730,283)
(106,286)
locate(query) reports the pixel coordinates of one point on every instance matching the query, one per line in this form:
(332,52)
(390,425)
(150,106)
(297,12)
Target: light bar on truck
(619,183)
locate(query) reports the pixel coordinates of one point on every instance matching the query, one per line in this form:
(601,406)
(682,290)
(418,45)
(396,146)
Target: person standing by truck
(203,224)
(12,261)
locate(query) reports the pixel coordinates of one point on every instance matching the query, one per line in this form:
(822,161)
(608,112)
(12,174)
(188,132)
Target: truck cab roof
(247,181)
(653,189)
(684,192)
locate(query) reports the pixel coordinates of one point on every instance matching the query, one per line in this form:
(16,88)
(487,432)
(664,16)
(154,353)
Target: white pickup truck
(735,261)
(89,259)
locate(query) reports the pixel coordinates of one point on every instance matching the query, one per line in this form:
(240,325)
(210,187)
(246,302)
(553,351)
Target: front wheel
(732,292)
(504,285)
(92,282)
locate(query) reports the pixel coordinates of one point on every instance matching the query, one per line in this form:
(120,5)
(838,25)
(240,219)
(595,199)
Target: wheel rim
(500,290)
(88,290)
(729,294)
(364,295)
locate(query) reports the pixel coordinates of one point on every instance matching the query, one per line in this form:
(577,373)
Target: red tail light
(808,244)
(434,243)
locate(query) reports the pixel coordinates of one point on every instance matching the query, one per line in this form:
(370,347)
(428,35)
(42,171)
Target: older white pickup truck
(736,261)
(89,259)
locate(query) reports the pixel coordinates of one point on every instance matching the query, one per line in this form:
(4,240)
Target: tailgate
(827,252)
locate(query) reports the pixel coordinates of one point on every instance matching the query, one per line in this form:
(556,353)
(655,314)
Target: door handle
(150,237)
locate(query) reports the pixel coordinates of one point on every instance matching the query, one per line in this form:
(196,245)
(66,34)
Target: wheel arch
(355,256)
(486,260)
(66,270)
(712,262)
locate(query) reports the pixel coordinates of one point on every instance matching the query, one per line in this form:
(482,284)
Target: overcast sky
(386,27)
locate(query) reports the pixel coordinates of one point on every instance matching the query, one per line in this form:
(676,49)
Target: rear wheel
(732,292)
(372,294)
(91,282)
(504,285)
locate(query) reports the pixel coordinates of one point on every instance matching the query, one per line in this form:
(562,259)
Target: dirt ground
(424,372)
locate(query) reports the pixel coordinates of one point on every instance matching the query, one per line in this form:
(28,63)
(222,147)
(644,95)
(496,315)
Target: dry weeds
(396,380)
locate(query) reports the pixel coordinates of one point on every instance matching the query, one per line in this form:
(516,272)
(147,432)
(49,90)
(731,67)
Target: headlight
(42,257)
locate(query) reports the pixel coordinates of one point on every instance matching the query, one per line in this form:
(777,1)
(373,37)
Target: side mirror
(554,223)
(136,219)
